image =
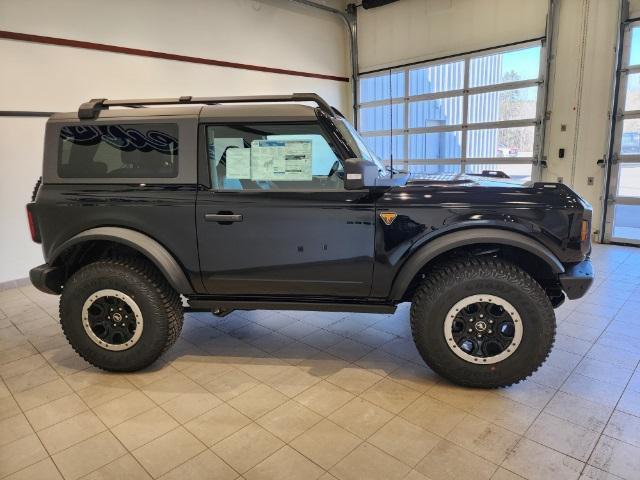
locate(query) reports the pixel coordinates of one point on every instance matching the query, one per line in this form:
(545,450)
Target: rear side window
(118,151)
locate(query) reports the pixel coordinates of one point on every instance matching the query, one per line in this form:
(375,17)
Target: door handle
(222,217)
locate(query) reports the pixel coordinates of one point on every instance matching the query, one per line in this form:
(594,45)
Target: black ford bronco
(194,204)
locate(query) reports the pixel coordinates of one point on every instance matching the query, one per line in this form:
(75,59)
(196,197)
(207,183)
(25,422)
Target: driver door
(277,219)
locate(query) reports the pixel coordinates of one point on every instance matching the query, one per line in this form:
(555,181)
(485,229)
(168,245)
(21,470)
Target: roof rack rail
(90,110)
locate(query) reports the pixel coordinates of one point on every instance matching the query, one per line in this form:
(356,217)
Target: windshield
(353,138)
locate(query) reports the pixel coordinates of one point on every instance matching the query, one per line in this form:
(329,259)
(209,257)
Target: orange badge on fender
(388,217)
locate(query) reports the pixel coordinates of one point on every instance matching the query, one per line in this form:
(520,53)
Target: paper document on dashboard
(281,160)
(239,163)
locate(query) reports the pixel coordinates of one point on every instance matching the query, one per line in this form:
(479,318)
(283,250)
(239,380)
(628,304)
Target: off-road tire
(159,303)
(450,282)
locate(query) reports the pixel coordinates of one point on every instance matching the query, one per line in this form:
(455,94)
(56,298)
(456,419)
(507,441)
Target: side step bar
(215,305)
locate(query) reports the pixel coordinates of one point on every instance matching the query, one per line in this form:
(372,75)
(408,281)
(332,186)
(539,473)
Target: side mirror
(359,174)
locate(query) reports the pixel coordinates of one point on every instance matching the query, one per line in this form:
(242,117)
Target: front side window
(118,151)
(275,156)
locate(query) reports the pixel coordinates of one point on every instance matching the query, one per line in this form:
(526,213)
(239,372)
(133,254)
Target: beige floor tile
(354,380)
(45,393)
(20,383)
(155,372)
(457,396)
(97,394)
(217,424)
(630,403)
(504,474)
(128,406)
(580,411)
(367,462)
(247,447)
(604,371)
(285,464)
(292,381)
(204,466)
(14,428)
(231,384)
(537,462)
(143,428)
(294,353)
(43,470)
(325,443)
(443,462)
(505,413)
(189,405)
(485,439)
(324,398)
(169,387)
(203,372)
(262,368)
(415,475)
(624,427)
(527,393)
(20,453)
(168,451)
(53,412)
(361,417)
(258,401)
(289,420)
(404,441)
(349,350)
(390,395)
(593,473)
(380,362)
(70,431)
(125,467)
(616,457)
(564,436)
(8,407)
(16,353)
(23,365)
(322,339)
(433,415)
(87,456)
(323,365)
(593,390)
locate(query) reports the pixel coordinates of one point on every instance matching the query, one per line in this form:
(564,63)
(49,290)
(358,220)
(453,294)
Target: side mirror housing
(359,174)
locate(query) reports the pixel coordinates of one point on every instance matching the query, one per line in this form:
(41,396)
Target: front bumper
(47,279)
(577,279)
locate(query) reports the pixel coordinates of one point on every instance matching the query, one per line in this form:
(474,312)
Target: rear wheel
(482,322)
(120,315)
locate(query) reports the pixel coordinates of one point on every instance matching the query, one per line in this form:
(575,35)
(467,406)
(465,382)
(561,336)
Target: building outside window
(468,114)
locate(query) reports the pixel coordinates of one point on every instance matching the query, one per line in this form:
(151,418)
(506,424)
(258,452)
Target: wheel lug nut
(490,321)
(470,330)
(481,315)
(479,336)
(490,331)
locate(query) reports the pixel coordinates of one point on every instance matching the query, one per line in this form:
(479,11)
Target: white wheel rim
(453,315)
(135,311)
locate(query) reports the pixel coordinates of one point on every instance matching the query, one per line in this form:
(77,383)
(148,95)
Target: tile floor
(307,395)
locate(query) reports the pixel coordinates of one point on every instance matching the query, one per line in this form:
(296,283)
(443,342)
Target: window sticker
(238,163)
(281,160)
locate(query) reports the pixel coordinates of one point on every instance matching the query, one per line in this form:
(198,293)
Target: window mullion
(465,116)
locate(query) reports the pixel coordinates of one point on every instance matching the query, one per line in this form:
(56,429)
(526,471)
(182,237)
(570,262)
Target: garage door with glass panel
(469,114)
(623,211)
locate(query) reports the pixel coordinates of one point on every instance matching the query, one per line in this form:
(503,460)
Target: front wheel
(482,322)
(120,315)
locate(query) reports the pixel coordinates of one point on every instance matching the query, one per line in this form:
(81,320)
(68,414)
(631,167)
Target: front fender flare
(460,238)
(144,244)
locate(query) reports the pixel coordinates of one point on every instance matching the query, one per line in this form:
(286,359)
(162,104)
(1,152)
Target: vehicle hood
(461,180)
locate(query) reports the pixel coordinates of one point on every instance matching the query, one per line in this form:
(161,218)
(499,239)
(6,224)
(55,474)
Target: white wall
(580,96)
(40,77)
(413,30)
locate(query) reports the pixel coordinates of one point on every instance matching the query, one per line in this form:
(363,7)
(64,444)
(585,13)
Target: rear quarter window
(118,151)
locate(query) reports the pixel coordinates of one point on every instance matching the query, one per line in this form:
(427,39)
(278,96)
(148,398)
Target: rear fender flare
(460,238)
(147,246)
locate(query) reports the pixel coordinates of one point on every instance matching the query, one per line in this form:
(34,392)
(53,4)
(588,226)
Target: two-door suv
(246,203)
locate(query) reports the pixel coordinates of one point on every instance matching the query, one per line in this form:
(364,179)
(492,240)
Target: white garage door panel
(413,30)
